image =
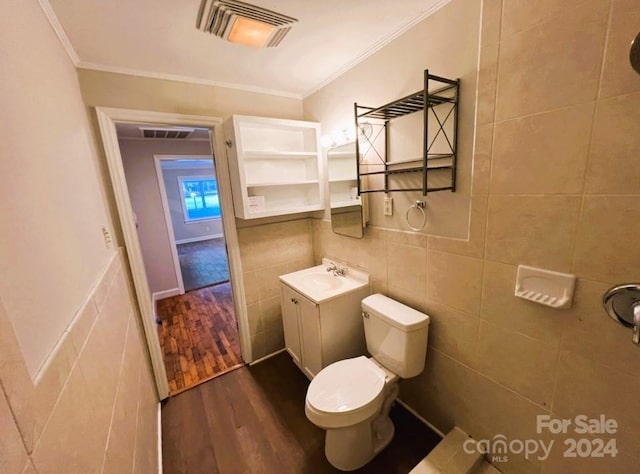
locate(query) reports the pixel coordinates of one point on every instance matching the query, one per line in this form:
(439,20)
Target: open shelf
(281,183)
(438,102)
(275,166)
(279,155)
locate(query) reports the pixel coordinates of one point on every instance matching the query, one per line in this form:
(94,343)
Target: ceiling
(158,38)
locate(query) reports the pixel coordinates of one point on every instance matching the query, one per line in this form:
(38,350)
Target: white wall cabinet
(318,334)
(275,166)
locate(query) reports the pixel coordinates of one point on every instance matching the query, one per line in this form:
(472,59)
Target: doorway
(131,221)
(197,329)
(190,201)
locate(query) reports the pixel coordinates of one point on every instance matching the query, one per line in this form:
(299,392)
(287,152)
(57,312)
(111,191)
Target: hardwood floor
(252,421)
(198,336)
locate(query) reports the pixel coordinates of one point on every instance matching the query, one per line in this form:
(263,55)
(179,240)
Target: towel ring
(419,205)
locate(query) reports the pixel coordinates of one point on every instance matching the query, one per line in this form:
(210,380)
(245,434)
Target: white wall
(51,199)
(181,229)
(61,287)
(144,191)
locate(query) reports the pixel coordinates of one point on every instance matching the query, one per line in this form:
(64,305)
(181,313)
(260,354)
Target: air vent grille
(171,133)
(218,16)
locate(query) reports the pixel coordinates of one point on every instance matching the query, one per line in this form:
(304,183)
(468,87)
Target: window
(199,198)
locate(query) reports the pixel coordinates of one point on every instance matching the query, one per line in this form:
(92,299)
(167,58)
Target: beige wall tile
(54,376)
(557,62)
(255,321)
(498,410)
(399,237)
(592,334)
(407,297)
(454,333)
(523,364)
(521,14)
(474,245)
(268,281)
(146,452)
(371,254)
(271,314)
(607,247)
(542,154)
(615,146)
(250,280)
(12,451)
(441,393)
(455,281)
(618,77)
(487,83)
(585,388)
(532,230)
(407,268)
(82,324)
(122,433)
(482,159)
(74,436)
(502,308)
(16,381)
(491,16)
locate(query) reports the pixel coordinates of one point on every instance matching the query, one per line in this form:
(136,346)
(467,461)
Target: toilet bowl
(351,398)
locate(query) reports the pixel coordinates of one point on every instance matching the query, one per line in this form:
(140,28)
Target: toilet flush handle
(636,323)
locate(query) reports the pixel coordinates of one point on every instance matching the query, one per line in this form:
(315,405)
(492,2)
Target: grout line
(590,145)
(118,388)
(501,385)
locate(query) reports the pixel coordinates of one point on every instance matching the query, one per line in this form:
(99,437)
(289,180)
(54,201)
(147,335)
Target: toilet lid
(346,385)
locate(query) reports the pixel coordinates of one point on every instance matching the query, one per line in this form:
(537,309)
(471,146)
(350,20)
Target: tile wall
(268,251)
(94,409)
(556,184)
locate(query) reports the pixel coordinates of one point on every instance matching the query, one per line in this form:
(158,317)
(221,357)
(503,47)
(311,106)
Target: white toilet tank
(396,334)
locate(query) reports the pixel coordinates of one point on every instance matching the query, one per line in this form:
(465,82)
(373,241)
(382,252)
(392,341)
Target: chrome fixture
(336,270)
(634,54)
(419,206)
(622,303)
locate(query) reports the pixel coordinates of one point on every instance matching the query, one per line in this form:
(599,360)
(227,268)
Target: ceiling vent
(173,133)
(242,23)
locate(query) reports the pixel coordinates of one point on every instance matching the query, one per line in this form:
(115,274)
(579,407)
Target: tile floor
(203,263)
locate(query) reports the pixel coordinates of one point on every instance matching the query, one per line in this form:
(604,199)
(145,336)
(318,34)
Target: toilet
(351,398)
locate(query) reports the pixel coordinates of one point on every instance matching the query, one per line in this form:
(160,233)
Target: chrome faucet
(336,270)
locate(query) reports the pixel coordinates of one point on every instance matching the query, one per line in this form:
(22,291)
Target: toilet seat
(345,393)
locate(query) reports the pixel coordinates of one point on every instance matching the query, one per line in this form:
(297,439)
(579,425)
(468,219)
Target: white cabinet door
(311,336)
(290,323)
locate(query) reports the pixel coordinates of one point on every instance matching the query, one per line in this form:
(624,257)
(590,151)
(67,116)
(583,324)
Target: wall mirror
(348,210)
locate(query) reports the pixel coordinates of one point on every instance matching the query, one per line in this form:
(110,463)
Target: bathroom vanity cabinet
(319,331)
(275,166)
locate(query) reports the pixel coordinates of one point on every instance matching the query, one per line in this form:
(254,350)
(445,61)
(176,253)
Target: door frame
(107,119)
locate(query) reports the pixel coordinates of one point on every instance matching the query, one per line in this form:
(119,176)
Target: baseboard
(198,239)
(160,295)
(159,438)
(419,417)
(269,356)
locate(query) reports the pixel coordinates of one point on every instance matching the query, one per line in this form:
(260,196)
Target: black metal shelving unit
(439,102)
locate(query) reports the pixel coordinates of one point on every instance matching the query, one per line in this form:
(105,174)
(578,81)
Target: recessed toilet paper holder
(622,303)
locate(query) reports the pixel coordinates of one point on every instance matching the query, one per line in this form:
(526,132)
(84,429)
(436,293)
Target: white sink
(318,284)
(323,281)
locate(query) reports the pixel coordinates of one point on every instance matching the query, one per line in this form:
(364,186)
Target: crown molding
(377,46)
(47,9)
(187,79)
